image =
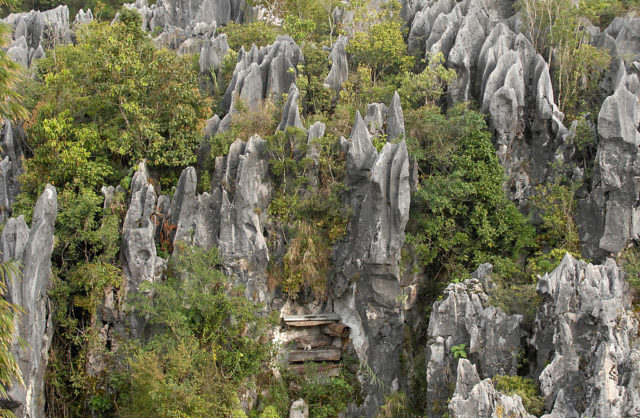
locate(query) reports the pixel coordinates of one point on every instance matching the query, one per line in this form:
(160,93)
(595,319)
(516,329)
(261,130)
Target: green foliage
(524,387)
(459,351)
(315,97)
(395,406)
(310,20)
(630,262)
(210,340)
(555,27)
(245,123)
(556,204)
(270,412)
(425,88)
(85,258)
(327,397)
(109,101)
(516,294)
(379,43)
(462,217)
(10,74)
(309,217)
(10,373)
(258,33)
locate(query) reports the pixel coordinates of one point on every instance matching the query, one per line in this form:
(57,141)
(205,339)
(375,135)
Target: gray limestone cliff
(369,293)
(476,398)
(31,249)
(491,338)
(586,337)
(263,73)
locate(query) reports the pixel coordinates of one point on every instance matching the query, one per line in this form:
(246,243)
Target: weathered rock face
(586,329)
(140,261)
(31,248)
(264,73)
(608,217)
(35,31)
(339,72)
(475,398)
(369,294)
(290,112)
(186,14)
(499,69)
(10,167)
(491,338)
(245,193)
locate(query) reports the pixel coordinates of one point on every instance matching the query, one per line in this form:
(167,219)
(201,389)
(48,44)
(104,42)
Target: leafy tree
(379,43)
(10,108)
(555,27)
(10,373)
(109,101)
(257,33)
(462,217)
(210,340)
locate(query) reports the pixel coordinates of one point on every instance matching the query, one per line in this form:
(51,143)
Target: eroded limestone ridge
(31,250)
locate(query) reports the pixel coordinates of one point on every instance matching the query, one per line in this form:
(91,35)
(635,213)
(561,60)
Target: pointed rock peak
(254,145)
(47,206)
(359,130)
(362,154)
(290,113)
(395,119)
(140,178)
(316,130)
(467,376)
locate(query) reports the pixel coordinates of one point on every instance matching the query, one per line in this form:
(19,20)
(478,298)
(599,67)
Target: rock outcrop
(140,261)
(339,72)
(369,293)
(31,249)
(499,69)
(290,112)
(10,167)
(475,398)
(609,217)
(35,31)
(263,73)
(587,341)
(491,341)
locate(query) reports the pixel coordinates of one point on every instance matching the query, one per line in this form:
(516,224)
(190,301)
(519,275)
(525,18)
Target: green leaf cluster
(524,387)
(210,341)
(107,102)
(462,217)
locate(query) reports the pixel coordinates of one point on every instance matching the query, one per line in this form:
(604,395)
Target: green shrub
(524,387)
(209,342)
(459,351)
(327,397)
(462,217)
(258,33)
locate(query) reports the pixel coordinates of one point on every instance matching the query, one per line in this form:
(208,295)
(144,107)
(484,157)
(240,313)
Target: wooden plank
(313,341)
(325,369)
(336,330)
(330,316)
(327,354)
(308,323)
